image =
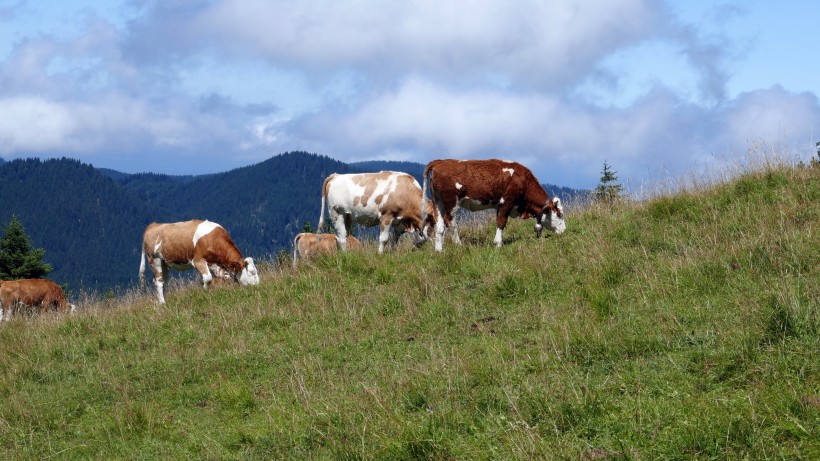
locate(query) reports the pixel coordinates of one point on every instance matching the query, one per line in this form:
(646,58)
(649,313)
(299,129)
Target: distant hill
(87,223)
(412,168)
(90,221)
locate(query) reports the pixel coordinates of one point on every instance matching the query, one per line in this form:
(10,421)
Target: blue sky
(655,88)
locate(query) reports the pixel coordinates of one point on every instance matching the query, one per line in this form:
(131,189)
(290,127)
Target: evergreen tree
(18,260)
(609,190)
(307,228)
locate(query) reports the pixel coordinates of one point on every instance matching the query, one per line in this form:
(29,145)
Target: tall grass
(682,327)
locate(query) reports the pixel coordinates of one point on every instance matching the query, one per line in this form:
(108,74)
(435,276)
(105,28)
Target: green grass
(684,327)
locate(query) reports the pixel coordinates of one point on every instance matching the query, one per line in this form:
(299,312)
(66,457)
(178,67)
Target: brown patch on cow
(369,181)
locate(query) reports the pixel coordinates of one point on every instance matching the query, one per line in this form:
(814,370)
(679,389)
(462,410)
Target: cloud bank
(202,86)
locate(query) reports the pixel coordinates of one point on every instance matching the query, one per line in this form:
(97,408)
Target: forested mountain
(90,221)
(87,223)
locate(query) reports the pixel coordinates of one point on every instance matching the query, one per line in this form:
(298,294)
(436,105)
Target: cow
(476,185)
(196,244)
(307,245)
(391,199)
(40,293)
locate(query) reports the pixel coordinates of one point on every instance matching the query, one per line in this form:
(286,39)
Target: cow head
(244,272)
(553,214)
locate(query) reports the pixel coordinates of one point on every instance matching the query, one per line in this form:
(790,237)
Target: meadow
(685,326)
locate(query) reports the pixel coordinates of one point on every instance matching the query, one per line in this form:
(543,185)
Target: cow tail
(142,268)
(424,180)
(296,248)
(322,209)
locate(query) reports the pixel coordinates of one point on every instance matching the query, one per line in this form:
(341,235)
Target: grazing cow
(307,245)
(201,245)
(390,199)
(475,185)
(40,293)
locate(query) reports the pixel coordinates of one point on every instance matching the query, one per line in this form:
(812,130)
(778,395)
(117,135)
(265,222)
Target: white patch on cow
(160,296)
(497,240)
(501,202)
(459,186)
(249,275)
(206,279)
(203,229)
(558,225)
(508,170)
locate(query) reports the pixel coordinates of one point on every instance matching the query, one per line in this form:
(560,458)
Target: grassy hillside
(682,328)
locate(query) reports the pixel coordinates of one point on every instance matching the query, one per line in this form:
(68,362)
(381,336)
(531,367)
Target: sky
(657,89)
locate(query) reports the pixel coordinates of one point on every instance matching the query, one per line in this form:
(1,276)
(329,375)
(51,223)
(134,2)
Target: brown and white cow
(40,293)
(307,245)
(475,185)
(201,245)
(391,199)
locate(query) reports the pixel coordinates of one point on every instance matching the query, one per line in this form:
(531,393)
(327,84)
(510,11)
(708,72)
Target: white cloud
(557,85)
(538,43)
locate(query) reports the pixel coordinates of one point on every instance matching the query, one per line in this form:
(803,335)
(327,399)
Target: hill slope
(683,328)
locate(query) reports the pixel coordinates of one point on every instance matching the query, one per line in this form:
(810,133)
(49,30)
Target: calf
(40,293)
(475,185)
(201,245)
(390,199)
(306,245)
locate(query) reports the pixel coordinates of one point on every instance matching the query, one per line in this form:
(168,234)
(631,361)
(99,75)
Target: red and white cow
(391,199)
(475,185)
(40,293)
(307,245)
(201,245)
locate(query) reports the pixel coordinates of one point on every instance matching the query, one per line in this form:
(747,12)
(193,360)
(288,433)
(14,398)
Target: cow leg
(440,228)
(384,235)
(395,235)
(160,271)
(340,224)
(501,217)
(444,215)
(454,224)
(201,266)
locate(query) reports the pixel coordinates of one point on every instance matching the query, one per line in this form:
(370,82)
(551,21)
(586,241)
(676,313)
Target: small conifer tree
(609,190)
(18,260)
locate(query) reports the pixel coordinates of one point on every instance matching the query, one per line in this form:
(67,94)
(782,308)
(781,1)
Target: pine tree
(18,260)
(307,228)
(609,190)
